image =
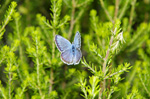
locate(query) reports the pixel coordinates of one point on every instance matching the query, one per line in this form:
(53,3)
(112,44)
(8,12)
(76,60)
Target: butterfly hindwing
(77,57)
(67,56)
(62,43)
(77,40)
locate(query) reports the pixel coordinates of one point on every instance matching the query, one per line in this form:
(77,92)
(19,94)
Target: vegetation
(115,47)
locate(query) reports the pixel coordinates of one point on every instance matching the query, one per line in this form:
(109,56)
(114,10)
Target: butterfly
(70,53)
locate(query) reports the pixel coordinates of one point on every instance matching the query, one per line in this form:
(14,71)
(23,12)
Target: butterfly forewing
(77,40)
(62,43)
(67,56)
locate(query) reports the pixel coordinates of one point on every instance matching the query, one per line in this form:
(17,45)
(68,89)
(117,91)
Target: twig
(79,15)
(131,15)
(65,1)
(102,85)
(51,69)
(116,9)
(47,24)
(20,47)
(144,85)
(72,19)
(88,67)
(82,4)
(107,13)
(104,67)
(115,17)
(6,20)
(124,9)
(53,46)
(4,6)
(51,81)
(18,71)
(10,79)
(38,67)
(114,74)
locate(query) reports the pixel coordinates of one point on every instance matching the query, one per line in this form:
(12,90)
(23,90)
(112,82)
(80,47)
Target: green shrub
(115,49)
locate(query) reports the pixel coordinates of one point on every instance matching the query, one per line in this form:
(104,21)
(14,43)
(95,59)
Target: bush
(115,49)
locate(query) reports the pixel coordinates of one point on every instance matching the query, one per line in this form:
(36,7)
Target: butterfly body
(70,53)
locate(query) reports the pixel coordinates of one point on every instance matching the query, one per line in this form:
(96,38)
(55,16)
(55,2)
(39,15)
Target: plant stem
(107,13)
(123,9)
(131,15)
(111,41)
(64,82)
(9,82)
(51,81)
(38,66)
(114,74)
(144,85)
(18,71)
(3,58)
(102,85)
(51,69)
(53,56)
(86,65)
(38,75)
(116,9)
(7,20)
(72,19)
(4,6)
(20,47)
(79,16)
(53,46)
(3,93)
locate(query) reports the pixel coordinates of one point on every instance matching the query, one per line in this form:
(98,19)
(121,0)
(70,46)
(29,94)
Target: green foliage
(8,17)
(91,91)
(115,49)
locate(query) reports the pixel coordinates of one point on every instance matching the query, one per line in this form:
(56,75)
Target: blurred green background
(114,34)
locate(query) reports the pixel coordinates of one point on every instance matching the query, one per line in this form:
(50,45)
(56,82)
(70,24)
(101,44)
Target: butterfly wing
(77,44)
(62,43)
(77,40)
(65,47)
(77,56)
(67,57)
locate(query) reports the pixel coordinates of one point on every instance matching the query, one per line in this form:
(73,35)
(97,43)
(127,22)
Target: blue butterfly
(70,53)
